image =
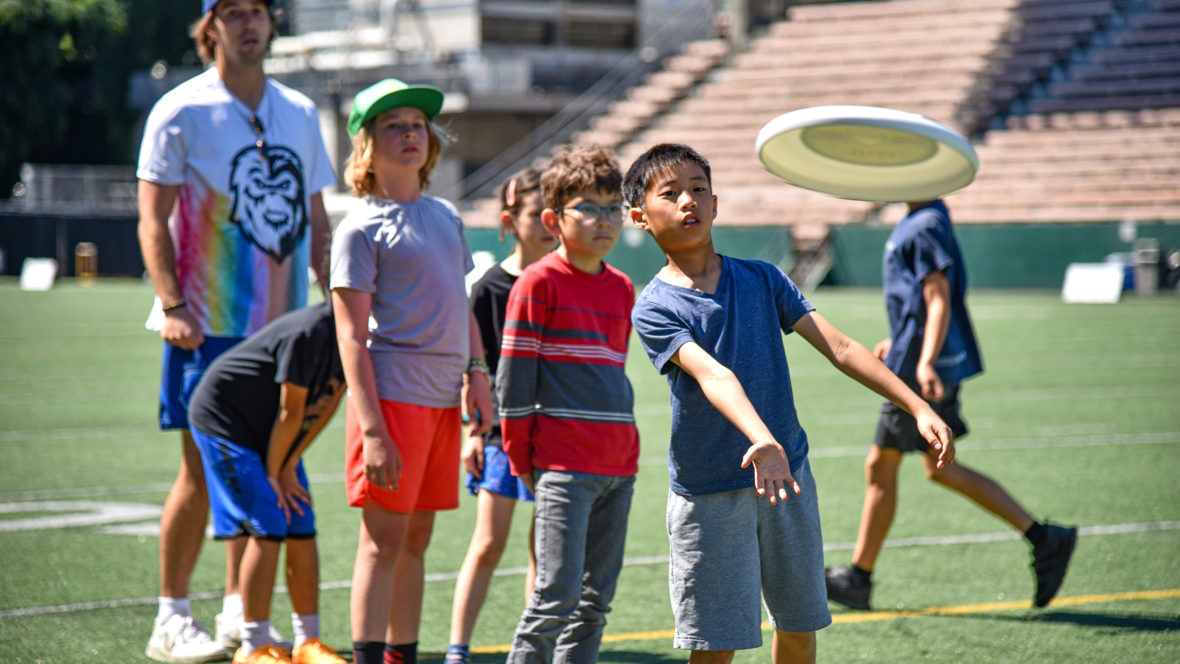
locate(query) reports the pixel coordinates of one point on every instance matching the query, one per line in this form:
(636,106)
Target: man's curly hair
(576,169)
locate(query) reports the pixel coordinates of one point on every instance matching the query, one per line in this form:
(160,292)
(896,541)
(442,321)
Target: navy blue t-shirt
(741,326)
(922,243)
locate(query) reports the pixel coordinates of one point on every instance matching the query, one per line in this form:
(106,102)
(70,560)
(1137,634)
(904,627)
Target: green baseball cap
(392,93)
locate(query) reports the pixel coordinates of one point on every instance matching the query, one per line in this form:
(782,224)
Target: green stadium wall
(997,255)
(637,255)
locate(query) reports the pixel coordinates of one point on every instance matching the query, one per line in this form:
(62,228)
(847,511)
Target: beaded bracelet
(478,365)
(174,304)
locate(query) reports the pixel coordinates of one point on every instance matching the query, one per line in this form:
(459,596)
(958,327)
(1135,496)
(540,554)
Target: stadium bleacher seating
(1095,135)
(914,55)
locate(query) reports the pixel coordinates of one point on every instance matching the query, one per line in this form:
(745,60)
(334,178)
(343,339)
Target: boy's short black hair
(657,159)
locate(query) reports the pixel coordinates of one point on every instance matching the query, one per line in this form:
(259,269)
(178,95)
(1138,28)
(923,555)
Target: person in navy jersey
(932,348)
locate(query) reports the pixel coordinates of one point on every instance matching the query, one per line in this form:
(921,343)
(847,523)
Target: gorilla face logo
(268,199)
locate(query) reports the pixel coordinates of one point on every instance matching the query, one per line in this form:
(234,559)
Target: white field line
(78,513)
(76,434)
(816,405)
(1114,529)
(86,433)
(968,445)
(984,445)
(52,494)
(1035,442)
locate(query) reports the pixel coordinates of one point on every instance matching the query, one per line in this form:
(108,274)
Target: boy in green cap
(399,260)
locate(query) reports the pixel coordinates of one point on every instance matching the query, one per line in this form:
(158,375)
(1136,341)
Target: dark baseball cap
(208,5)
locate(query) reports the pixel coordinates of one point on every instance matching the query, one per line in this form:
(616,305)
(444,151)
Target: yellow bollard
(86,263)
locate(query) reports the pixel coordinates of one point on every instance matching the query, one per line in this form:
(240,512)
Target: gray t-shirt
(412,257)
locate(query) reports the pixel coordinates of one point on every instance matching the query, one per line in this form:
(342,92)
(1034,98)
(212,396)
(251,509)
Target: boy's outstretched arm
(772,470)
(857,362)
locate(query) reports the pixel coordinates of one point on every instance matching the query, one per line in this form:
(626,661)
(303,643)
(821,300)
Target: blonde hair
(358,170)
(206,46)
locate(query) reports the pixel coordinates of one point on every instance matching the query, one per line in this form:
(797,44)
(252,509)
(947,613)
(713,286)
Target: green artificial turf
(1077,415)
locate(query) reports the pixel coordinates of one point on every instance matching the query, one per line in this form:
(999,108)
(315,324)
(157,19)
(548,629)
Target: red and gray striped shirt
(565,401)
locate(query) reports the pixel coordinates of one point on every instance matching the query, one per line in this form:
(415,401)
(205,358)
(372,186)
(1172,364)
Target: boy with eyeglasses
(566,409)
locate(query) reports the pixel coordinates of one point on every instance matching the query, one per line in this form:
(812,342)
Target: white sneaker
(183,640)
(229,634)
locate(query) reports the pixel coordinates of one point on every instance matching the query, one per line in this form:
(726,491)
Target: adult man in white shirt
(231,219)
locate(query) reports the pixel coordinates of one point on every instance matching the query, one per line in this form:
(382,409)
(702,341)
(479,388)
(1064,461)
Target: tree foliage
(46,48)
(64,70)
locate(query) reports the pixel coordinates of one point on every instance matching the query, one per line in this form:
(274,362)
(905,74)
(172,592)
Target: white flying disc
(867,153)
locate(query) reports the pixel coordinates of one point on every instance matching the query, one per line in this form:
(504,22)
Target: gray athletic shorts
(729,548)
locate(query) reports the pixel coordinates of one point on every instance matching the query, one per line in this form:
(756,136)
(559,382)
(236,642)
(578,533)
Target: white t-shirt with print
(241,227)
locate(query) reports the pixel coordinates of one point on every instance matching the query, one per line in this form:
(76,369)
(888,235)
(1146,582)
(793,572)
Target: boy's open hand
(938,434)
(280,497)
(772,471)
(881,350)
(293,491)
(473,456)
(383,462)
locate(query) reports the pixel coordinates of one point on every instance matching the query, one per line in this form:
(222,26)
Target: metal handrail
(577,114)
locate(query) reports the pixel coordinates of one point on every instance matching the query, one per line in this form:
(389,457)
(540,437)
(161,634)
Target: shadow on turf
(1128,621)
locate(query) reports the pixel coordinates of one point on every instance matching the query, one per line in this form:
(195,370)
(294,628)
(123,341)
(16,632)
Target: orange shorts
(428,440)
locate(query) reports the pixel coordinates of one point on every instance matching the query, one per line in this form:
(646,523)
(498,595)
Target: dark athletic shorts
(898,429)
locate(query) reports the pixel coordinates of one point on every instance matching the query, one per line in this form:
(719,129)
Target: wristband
(174,304)
(478,366)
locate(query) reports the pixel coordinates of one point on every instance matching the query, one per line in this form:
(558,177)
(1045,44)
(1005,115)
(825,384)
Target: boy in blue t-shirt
(932,348)
(714,326)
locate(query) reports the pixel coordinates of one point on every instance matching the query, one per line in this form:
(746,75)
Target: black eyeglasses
(256,124)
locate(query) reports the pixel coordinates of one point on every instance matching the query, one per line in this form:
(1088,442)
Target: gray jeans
(581,527)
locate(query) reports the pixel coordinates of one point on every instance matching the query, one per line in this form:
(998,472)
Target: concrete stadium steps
(844,13)
(1080,167)
(751,74)
(658,91)
(926,57)
(920,56)
(484,213)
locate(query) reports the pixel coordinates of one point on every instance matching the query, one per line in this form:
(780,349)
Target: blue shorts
(241,498)
(182,370)
(497,477)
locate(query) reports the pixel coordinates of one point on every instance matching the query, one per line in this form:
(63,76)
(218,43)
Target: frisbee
(867,153)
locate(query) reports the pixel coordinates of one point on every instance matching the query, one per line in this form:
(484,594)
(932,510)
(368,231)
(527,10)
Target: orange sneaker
(267,654)
(313,651)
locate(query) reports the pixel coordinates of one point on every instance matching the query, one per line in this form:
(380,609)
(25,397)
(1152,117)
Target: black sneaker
(845,588)
(1050,561)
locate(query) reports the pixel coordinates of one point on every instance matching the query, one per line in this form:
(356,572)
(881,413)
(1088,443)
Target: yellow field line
(871,616)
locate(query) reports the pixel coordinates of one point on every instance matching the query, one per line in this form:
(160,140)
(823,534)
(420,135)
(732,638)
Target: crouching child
(253,414)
